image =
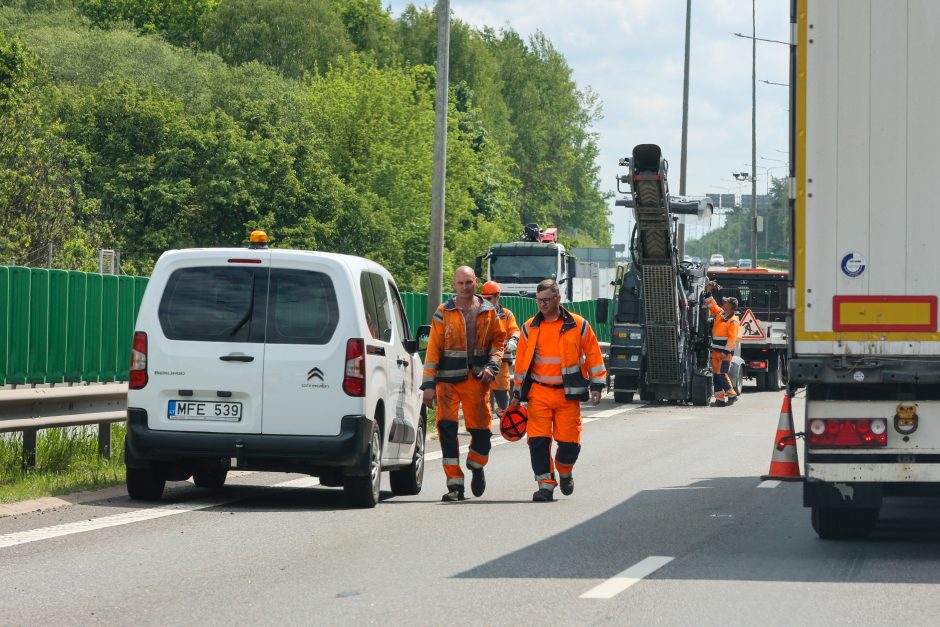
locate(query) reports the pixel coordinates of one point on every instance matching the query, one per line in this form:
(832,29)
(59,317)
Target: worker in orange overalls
(725,331)
(558,365)
(491,292)
(462,360)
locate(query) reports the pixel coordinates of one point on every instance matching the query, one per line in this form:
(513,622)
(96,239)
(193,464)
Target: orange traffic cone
(784,464)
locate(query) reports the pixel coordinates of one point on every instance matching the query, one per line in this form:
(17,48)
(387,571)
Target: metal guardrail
(30,410)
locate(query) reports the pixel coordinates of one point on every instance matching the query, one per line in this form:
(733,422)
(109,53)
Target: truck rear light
(847,432)
(757,365)
(137,377)
(354,376)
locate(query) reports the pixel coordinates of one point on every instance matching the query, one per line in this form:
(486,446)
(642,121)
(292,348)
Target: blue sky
(631,53)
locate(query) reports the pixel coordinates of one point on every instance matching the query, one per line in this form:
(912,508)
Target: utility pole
(753,134)
(436,257)
(683,159)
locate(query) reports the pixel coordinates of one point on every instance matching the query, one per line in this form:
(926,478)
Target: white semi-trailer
(865,140)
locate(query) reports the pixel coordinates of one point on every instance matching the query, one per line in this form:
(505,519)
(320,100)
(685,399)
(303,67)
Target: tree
(294,37)
(370,28)
(180,21)
(38,192)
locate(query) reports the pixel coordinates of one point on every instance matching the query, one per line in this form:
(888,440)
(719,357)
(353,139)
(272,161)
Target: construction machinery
(660,330)
(519,266)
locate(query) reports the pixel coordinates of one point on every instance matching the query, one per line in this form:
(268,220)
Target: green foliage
(369,27)
(66,461)
(294,37)
(179,21)
(313,120)
(37,182)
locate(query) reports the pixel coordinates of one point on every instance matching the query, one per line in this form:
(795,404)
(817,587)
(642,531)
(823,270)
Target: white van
(273,360)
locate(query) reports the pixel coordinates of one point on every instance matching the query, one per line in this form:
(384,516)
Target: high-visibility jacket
(447,359)
(508,321)
(582,365)
(725,331)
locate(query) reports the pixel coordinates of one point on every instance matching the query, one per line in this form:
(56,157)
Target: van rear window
(214,304)
(302,308)
(238,304)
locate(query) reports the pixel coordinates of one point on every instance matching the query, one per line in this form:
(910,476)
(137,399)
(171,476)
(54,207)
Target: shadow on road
(727,529)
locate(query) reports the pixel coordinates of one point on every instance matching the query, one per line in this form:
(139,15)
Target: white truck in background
(865,141)
(519,266)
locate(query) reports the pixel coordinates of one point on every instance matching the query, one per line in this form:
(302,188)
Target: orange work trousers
(552,417)
(474,397)
(502,379)
(721,367)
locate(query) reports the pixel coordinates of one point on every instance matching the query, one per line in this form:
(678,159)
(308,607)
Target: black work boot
(455,494)
(542,495)
(478,483)
(732,399)
(719,403)
(566,484)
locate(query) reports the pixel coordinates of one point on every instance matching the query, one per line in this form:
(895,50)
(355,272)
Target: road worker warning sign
(750,328)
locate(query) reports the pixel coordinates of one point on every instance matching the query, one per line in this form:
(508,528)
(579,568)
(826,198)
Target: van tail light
(354,377)
(757,365)
(848,432)
(137,378)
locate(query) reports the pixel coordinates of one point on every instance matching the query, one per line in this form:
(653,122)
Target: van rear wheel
(363,491)
(407,481)
(144,484)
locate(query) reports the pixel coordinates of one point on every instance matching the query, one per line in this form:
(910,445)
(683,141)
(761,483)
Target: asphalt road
(669,524)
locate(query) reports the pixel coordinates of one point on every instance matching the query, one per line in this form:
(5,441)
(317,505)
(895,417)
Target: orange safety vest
(582,365)
(447,359)
(724,331)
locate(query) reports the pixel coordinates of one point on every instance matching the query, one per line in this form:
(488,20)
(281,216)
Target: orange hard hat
(491,288)
(513,423)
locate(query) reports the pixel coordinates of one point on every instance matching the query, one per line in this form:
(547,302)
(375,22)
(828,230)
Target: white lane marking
(620,582)
(770,483)
(127,518)
(607,413)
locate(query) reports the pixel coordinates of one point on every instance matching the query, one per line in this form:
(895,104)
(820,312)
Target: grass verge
(66,461)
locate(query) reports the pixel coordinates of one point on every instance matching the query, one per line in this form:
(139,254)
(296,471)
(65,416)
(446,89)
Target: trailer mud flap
(848,495)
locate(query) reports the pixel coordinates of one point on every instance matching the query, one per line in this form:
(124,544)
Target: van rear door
(305,355)
(206,369)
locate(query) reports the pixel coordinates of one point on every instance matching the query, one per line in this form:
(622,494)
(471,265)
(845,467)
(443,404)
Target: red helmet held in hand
(513,422)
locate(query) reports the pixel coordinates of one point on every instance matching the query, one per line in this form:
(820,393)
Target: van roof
(350,261)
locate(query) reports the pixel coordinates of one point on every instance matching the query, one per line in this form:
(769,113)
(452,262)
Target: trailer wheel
(621,396)
(773,380)
(760,380)
(840,523)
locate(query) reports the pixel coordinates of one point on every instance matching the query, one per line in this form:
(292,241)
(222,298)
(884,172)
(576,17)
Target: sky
(631,53)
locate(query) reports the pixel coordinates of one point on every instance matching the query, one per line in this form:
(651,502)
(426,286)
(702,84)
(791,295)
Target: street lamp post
(754,133)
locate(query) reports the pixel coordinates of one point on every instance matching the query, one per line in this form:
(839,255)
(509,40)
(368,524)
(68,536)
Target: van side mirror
(478,266)
(411,346)
(602,312)
(423,337)
(572,267)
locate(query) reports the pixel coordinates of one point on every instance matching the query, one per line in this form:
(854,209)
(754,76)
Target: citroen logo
(315,373)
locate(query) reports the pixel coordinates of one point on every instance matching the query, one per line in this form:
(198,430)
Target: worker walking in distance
(558,365)
(507,319)
(725,331)
(462,360)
